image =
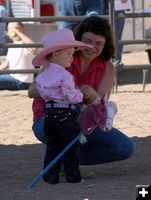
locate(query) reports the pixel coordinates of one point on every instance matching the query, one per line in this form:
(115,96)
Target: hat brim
(41,58)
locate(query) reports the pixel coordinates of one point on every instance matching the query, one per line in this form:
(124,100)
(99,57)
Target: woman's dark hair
(98,26)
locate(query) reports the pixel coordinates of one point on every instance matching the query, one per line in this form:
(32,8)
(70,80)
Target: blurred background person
(3,14)
(119,26)
(79,8)
(8,6)
(17,58)
(5,11)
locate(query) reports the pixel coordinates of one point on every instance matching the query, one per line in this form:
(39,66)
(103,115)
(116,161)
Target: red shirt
(92,77)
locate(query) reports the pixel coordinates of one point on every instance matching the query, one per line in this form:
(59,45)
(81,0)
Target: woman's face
(97,41)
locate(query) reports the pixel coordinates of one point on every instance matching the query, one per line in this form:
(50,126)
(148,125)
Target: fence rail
(137,66)
(35,71)
(20,71)
(134,15)
(12,45)
(46,19)
(142,41)
(38,45)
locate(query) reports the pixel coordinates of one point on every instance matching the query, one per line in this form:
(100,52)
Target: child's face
(64,57)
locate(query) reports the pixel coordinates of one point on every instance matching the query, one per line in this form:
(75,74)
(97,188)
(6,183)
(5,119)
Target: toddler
(56,86)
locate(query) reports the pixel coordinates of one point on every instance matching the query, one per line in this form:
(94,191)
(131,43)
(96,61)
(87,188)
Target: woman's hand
(89,93)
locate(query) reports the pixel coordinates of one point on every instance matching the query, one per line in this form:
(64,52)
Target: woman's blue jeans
(7,82)
(101,147)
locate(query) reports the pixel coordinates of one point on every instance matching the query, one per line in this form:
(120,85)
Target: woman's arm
(107,84)
(89,93)
(33,91)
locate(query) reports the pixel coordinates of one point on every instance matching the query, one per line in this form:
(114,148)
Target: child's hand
(82,139)
(89,93)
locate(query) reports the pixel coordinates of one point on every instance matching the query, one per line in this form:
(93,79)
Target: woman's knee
(115,144)
(125,145)
(38,129)
(130,149)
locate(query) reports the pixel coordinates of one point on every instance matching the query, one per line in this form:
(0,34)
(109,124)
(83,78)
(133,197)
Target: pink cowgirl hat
(57,40)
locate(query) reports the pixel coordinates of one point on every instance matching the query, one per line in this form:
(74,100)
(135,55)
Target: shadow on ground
(21,164)
(134,77)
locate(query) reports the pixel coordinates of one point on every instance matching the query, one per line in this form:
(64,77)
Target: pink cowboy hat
(57,40)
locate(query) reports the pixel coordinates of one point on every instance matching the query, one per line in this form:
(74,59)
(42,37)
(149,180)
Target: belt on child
(59,105)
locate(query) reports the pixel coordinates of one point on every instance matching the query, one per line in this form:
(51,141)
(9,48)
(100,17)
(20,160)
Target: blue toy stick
(36,180)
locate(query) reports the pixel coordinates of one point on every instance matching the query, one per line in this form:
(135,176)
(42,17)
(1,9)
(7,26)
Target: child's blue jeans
(61,127)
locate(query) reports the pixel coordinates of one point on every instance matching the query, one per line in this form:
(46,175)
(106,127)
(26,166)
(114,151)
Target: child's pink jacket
(57,84)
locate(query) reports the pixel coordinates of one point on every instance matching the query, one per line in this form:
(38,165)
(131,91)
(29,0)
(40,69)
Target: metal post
(112,19)
(143,20)
(36,8)
(145,74)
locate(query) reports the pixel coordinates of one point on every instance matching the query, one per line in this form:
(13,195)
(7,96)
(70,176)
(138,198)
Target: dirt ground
(21,154)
